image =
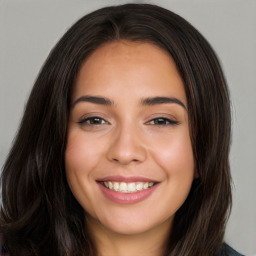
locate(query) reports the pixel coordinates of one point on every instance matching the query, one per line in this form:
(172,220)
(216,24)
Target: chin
(134,224)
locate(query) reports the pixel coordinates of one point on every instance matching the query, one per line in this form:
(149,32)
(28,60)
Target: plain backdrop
(30,28)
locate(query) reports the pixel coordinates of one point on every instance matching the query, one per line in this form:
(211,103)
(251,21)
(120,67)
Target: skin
(129,139)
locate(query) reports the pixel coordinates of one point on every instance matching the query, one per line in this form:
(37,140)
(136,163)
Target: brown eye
(93,121)
(161,121)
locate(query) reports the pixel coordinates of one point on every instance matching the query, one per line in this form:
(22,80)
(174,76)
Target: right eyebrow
(162,100)
(94,99)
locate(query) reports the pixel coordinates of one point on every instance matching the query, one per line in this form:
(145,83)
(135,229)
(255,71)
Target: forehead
(129,67)
(128,52)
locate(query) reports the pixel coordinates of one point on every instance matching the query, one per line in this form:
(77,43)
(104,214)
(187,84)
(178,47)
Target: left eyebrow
(161,100)
(94,99)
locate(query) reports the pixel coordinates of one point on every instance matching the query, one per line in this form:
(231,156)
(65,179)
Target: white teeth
(129,187)
(110,185)
(145,186)
(123,187)
(139,186)
(116,186)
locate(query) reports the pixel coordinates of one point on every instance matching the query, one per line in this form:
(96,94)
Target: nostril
(125,161)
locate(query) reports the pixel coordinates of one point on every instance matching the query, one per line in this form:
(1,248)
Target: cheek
(174,154)
(81,158)
(82,153)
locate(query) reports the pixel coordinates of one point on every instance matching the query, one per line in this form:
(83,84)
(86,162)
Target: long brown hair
(39,215)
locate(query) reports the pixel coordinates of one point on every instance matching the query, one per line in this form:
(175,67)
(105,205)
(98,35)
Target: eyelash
(162,121)
(159,121)
(89,120)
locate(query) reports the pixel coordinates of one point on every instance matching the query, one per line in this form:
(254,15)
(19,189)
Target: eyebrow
(95,100)
(161,100)
(150,101)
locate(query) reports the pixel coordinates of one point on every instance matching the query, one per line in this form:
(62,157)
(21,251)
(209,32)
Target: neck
(149,243)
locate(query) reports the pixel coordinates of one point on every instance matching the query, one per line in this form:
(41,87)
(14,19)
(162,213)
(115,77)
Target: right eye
(94,120)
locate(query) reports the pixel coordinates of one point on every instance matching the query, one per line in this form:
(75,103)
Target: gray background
(29,29)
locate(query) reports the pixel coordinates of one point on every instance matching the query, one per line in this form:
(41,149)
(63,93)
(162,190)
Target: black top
(228,251)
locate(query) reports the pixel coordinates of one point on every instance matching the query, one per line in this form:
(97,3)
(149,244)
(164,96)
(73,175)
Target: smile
(127,187)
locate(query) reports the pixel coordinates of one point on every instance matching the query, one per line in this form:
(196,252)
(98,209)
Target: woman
(123,147)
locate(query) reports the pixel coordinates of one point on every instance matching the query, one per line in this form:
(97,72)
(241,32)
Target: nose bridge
(127,145)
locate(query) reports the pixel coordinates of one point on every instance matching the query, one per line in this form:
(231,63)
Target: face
(129,159)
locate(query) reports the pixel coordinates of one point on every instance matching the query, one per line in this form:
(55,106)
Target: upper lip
(119,178)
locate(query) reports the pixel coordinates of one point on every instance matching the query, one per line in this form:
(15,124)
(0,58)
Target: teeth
(139,186)
(129,187)
(116,186)
(123,187)
(145,186)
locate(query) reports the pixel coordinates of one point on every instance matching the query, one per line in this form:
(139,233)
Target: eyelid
(84,119)
(170,121)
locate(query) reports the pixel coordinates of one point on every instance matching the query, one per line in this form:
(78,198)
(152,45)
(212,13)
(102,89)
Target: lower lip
(127,198)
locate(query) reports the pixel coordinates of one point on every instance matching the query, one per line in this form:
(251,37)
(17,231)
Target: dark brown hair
(39,215)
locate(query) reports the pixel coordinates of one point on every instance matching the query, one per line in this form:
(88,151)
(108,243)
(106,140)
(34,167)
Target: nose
(127,147)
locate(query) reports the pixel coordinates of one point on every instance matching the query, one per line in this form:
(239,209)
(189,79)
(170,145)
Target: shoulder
(228,251)
(3,252)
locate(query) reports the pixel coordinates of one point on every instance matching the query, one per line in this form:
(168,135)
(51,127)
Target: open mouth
(127,190)
(127,187)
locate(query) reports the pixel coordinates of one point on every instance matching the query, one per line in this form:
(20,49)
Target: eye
(162,121)
(94,120)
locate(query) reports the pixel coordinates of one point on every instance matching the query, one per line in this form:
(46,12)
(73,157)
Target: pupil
(160,121)
(95,121)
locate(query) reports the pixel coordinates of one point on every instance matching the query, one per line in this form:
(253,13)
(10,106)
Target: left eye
(92,121)
(162,121)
